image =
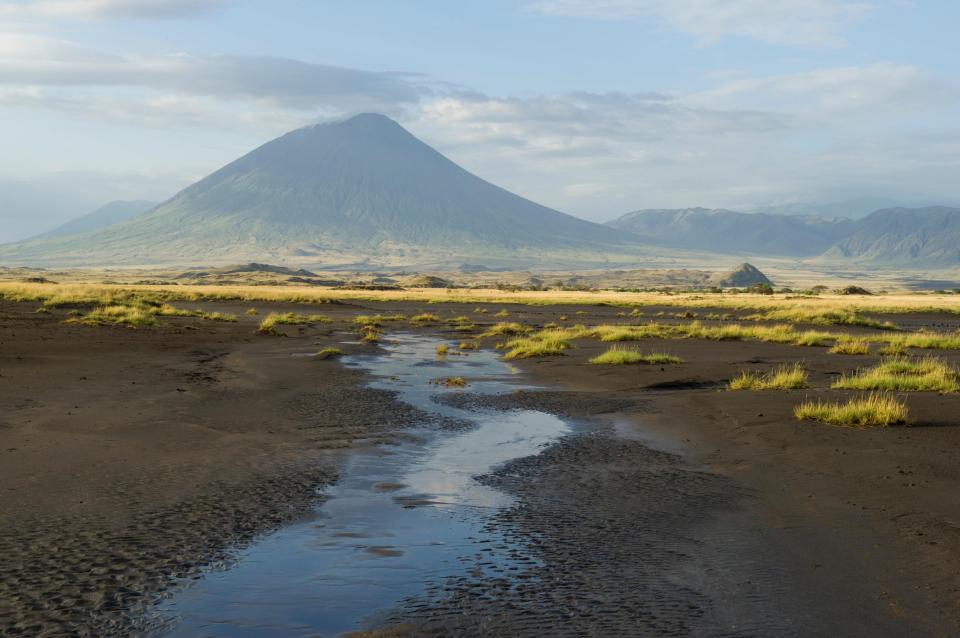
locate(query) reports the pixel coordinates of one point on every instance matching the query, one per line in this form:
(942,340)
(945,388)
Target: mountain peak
(351,191)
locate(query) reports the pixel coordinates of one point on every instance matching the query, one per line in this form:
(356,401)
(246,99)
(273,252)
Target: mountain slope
(913,237)
(103,217)
(727,231)
(361,190)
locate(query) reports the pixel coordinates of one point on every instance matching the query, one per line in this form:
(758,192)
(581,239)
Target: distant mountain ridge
(357,191)
(726,231)
(103,217)
(927,237)
(904,237)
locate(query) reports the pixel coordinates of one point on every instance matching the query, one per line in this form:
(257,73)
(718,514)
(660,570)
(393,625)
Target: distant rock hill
(726,231)
(743,276)
(104,217)
(359,191)
(908,237)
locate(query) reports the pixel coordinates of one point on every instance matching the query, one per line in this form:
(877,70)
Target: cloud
(96,9)
(36,61)
(787,22)
(743,141)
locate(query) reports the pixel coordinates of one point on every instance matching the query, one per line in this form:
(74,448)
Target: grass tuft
(541,345)
(506,330)
(274,319)
(851,346)
(619,355)
(327,353)
(784,377)
(425,317)
(926,374)
(875,410)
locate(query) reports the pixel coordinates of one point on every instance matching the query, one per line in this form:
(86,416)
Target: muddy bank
(132,459)
(621,539)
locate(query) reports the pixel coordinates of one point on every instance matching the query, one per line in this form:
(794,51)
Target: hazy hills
(357,191)
(103,217)
(727,231)
(912,237)
(903,237)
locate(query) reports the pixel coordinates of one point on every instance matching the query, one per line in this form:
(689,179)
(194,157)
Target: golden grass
(139,314)
(425,317)
(105,294)
(619,355)
(327,353)
(504,329)
(784,377)
(695,330)
(274,319)
(851,346)
(824,316)
(251,312)
(376,320)
(469,345)
(502,313)
(926,374)
(117,315)
(876,409)
(442,349)
(541,345)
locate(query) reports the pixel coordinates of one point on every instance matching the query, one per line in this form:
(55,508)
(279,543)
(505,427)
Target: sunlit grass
(926,374)
(107,294)
(270,322)
(851,346)
(620,355)
(874,410)
(425,317)
(829,316)
(504,329)
(327,353)
(117,315)
(542,345)
(785,377)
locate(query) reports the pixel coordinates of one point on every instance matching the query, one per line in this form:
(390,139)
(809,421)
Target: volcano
(359,191)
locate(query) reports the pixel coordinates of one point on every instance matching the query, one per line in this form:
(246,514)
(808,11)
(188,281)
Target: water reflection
(399,517)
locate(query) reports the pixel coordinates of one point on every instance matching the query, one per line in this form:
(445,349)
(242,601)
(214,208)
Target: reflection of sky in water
(367,548)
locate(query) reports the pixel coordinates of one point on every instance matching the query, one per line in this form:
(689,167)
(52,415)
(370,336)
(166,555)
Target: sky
(593,107)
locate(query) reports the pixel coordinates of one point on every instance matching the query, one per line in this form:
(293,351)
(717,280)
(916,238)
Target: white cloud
(93,9)
(39,61)
(745,141)
(788,22)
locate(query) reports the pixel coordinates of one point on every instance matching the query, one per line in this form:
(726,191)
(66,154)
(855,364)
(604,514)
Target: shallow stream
(399,519)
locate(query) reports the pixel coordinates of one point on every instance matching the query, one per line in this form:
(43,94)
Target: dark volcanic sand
(134,457)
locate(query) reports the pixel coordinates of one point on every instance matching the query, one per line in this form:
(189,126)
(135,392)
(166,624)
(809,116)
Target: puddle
(400,517)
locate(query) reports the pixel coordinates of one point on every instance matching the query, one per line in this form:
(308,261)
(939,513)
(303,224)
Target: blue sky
(593,107)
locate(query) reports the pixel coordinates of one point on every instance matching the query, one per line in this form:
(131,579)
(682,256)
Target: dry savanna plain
(736,464)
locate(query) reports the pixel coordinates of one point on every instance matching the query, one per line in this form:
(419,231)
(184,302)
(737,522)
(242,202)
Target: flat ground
(133,457)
